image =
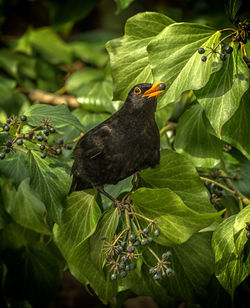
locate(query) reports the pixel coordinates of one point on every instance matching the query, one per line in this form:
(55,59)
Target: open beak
(156,89)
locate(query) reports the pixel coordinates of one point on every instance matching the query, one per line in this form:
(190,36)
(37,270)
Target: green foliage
(195,203)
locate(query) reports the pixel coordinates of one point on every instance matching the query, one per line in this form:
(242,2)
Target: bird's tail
(79,184)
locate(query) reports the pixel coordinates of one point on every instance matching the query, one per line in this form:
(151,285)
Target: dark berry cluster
(19,137)
(122,253)
(248,229)
(242,33)
(162,270)
(223,56)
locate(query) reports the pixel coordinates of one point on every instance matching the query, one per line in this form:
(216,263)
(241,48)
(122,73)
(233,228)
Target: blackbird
(125,143)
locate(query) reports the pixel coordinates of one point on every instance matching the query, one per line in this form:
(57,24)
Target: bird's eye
(137,91)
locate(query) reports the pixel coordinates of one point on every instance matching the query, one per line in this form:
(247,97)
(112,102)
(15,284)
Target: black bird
(127,142)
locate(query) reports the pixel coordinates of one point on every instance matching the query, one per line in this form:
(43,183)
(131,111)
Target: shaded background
(94,22)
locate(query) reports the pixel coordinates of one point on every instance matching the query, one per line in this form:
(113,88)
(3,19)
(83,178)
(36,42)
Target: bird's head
(143,96)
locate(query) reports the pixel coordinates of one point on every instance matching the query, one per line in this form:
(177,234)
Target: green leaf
(177,173)
(194,140)
(106,228)
(51,180)
(90,119)
(79,220)
(89,53)
(60,116)
(240,231)
(81,77)
(193,263)
(174,58)
(27,209)
(85,271)
(96,96)
(176,221)
(50,46)
(13,167)
(8,62)
(221,96)
(122,4)
(230,269)
(128,55)
(236,130)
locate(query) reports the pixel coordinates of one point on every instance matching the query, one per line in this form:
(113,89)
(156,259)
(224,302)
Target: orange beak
(156,89)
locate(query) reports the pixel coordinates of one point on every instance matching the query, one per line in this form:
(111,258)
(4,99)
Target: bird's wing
(92,144)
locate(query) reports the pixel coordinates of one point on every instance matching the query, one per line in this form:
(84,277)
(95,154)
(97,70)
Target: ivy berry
(19,142)
(23,118)
(228,49)
(2,156)
(204,59)
(201,50)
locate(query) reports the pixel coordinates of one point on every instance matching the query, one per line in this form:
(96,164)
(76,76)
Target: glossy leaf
(27,209)
(128,54)
(79,220)
(176,221)
(236,130)
(96,96)
(230,267)
(51,180)
(174,58)
(60,116)
(194,140)
(122,4)
(177,173)
(13,167)
(83,268)
(106,228)
(221,96)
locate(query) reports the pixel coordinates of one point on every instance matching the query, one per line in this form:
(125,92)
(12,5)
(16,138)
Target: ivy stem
(228,29)
(233,191)
(154,254)
(144,217)
(243,198)
(76,139)
(118,237)
(127,220)
(164,129)
(227,36)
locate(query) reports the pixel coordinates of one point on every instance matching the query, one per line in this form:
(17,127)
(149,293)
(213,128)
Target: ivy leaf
(79,220)
(81,77)
(193,263)
(50,46)
(174,58)
(90,119)
(176,221)
(96,96)
(128,54)
(230,267)
(236,130)
(51,181)
(221,96)
(30,213)
(8,62)
(13,167)
(194,140)
(122,4)
(82,267)
(240,231)
(177,173)
(106,228)
(60,116)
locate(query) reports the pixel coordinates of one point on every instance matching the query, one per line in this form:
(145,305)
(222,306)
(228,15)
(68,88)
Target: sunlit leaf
(221,96)
(170,212)
(236,130)
(128,55)
(230,267)
(194,140)
(60,116)
(177,173)
(51,180)
(79,220)
(174,58)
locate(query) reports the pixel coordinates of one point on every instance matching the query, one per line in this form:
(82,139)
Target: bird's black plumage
(125,143)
